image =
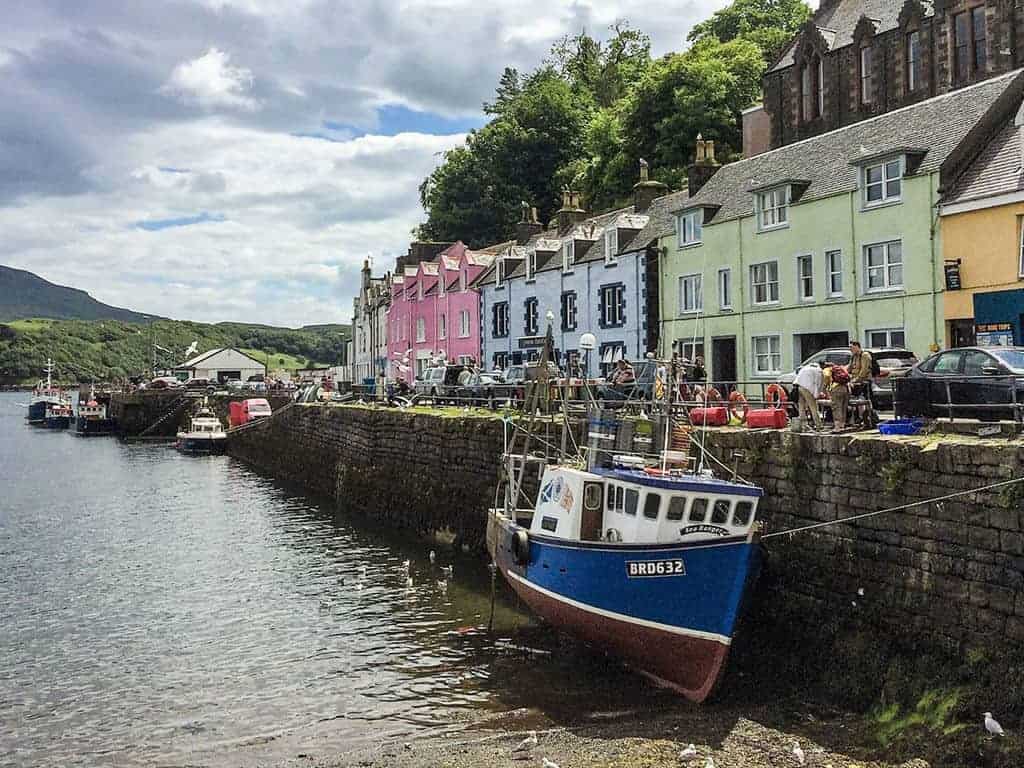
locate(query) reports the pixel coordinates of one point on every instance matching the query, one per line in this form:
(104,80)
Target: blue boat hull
(37,412)
(667,610)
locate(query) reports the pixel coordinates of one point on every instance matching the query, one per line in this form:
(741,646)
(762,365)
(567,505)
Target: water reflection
(159,608)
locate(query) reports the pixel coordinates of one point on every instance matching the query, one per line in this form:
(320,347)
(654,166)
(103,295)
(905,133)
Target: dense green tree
(768,23)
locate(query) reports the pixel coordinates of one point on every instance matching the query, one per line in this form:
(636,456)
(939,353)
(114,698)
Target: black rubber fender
(521,546)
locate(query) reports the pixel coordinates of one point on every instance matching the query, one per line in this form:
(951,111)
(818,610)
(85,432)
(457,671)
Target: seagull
(860,592)
(433,557)
(448,570)
(689,753)
(528,743)
(993,726)
(798,753)
(548,764)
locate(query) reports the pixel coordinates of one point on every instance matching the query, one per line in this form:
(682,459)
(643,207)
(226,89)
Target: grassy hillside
(108,349)
(23,295)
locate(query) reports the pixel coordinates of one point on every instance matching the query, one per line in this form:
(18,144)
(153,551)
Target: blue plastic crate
(901,427)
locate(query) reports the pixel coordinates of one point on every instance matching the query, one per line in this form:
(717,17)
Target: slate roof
(937,126)
(996,171)
(838,22)
(660,221)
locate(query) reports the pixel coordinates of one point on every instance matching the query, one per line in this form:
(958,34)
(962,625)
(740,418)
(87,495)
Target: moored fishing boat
(43,396)
(205,433)
(58,415)
(642,558)
(92,419)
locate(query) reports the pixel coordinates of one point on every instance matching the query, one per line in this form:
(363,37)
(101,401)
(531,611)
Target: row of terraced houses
(880,198)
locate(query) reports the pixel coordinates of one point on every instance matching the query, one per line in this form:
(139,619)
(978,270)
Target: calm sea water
(158,609)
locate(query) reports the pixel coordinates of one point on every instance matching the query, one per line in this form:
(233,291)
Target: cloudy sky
(216,160)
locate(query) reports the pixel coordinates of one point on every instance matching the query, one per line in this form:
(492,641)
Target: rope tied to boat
(938,500)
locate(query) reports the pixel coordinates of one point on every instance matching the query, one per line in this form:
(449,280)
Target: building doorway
(806,344)
(723,362)
(961,333)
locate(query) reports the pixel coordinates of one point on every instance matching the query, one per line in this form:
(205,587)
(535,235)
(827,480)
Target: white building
(221,365)
(369,327)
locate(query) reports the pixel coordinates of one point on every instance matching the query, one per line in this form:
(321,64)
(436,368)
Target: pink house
(434,313)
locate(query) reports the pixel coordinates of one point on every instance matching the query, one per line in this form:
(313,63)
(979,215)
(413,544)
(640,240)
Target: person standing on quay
(808,382)
(840,395)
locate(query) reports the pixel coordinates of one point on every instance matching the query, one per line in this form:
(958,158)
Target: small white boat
(205,433)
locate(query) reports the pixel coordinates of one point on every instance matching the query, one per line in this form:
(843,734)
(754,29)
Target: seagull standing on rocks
(526,744)
(992,725)
(798,753)
(688,754)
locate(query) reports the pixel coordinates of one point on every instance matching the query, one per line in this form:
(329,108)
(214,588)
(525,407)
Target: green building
(821,242)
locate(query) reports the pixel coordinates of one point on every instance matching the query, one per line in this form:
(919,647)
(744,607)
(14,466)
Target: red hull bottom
(687,664)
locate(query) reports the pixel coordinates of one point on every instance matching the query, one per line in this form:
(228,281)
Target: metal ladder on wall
(173,410)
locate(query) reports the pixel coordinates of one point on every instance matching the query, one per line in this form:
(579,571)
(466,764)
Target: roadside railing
(953,397)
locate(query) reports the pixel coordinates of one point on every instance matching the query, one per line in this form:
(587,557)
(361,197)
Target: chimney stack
(646,191)
(570,213)
(528,226)
(704,167)
(366,274)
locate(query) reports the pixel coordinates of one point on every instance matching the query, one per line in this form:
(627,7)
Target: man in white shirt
(808,382)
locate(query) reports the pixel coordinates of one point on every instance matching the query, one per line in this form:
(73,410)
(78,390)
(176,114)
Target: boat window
(549,523)
(676,508)
(620,499)
(592,496)
(610,498)
(720,514)
(743,512)
(632,499)
(652,505)
(698,510)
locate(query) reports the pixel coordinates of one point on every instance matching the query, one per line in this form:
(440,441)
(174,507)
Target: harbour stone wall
(951,572)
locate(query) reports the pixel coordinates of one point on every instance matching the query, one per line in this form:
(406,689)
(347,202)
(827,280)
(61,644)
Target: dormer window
(568,255)
(499,270)
(810,89)
(883,182)
(866,82)
(531,265)
(689,227)
(773,208)
(611,244)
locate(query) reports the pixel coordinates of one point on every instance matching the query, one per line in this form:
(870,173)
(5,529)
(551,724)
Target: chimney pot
(704,167)
(528,226)
(646,191)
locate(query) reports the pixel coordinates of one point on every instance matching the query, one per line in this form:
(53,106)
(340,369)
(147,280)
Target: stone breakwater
(952,571)
(418,472)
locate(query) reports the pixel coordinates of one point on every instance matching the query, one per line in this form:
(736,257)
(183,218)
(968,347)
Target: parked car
(438,383)
(517,375)
(200,383)
(163,382)
(892,362)
(485,389)
(255,386)
(979,382)
(244,411)
(233,385)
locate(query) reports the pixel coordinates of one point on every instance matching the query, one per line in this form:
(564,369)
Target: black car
(970,382)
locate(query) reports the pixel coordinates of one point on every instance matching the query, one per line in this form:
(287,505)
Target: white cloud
(210,81)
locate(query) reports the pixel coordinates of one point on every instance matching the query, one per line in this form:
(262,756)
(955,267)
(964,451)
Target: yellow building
(983,244)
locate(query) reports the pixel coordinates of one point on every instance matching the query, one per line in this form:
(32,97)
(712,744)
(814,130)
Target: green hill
(24,295)
(102,350)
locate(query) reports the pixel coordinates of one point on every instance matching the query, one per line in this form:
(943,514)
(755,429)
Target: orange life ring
(738,406)
(775,396)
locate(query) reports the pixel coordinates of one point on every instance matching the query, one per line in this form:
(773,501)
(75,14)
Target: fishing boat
(43,396)
(205,433)
(58,415)
(642,557)
(92,419)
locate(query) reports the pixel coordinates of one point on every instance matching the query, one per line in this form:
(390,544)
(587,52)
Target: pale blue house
(593,274)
